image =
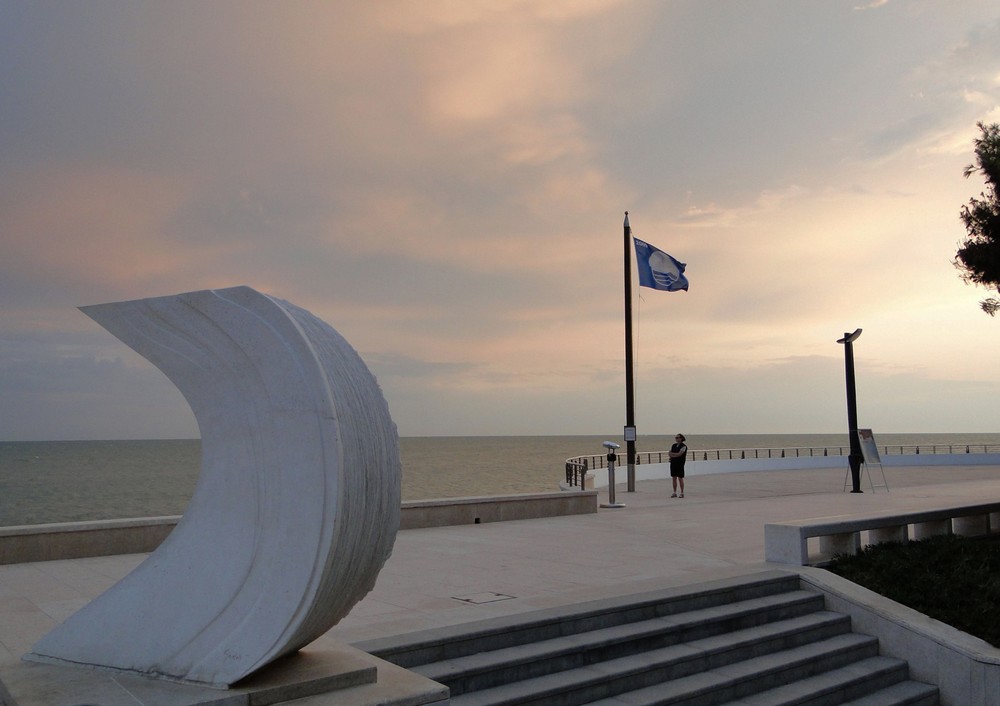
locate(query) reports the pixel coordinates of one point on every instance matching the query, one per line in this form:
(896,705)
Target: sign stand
(869,451)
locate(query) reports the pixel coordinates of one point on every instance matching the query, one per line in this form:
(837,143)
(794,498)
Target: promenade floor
(449,575)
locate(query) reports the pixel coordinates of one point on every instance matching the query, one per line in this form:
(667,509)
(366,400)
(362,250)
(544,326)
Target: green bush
(953,579)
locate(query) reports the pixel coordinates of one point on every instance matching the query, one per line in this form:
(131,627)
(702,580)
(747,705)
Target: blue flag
(657,269)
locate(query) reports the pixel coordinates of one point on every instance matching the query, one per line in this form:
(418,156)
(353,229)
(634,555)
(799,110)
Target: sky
(445,184)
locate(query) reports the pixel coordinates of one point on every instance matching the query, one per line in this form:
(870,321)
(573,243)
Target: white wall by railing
(658,471)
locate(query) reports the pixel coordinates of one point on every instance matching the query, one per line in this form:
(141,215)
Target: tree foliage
(978,257)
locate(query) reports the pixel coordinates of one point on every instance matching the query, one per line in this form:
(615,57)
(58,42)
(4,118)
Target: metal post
(611,476)
(855,458)
(629,375)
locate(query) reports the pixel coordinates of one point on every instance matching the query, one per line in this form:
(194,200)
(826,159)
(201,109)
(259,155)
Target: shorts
(677,471)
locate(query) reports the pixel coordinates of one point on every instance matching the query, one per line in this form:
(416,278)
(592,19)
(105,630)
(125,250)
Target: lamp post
(852,410)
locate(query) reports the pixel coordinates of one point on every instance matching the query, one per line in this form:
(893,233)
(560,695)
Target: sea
(71,481)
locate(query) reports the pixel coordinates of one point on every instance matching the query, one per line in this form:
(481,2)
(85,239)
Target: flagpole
(629,378)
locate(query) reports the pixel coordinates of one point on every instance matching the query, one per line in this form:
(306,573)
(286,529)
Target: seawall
(75,540)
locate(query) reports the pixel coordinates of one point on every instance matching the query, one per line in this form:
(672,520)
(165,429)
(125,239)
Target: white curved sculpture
(296,509)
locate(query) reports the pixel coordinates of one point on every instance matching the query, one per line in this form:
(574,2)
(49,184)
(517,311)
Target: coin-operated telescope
(612,457)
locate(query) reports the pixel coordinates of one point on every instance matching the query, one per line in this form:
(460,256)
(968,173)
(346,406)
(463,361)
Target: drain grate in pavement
(485,597)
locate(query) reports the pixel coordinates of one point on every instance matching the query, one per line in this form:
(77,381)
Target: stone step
(714,670)
(876,681)
(440,644)
(491,668)
(758,640)
(906,693)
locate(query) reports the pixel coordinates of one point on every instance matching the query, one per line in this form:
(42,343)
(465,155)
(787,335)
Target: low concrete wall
(659,471)
(75,540)
(474,511)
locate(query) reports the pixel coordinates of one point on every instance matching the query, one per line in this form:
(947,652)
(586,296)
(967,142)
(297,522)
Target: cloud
(871,5)
(445,185)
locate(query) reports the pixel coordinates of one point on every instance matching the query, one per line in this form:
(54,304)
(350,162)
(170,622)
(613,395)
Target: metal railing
(578,466)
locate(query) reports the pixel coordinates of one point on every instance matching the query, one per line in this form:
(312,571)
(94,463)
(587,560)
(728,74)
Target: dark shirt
(679,461)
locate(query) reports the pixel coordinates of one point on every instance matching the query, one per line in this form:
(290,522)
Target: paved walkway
(448,575)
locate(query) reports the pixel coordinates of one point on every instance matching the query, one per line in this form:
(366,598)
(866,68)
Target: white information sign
(868,447)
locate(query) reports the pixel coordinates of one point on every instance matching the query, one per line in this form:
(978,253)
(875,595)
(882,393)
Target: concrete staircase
(756,639)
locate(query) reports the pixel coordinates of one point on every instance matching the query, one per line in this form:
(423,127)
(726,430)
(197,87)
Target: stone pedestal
(879,535)
(846,543)
(971,525)
(925,530)
(347,676)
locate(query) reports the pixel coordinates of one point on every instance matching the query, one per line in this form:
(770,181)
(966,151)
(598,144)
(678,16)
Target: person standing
(678,455)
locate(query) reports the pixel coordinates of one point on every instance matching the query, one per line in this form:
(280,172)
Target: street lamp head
(850,337)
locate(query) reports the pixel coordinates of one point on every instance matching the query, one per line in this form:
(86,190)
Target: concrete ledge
(75,540)
(474,511)
(787,542)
